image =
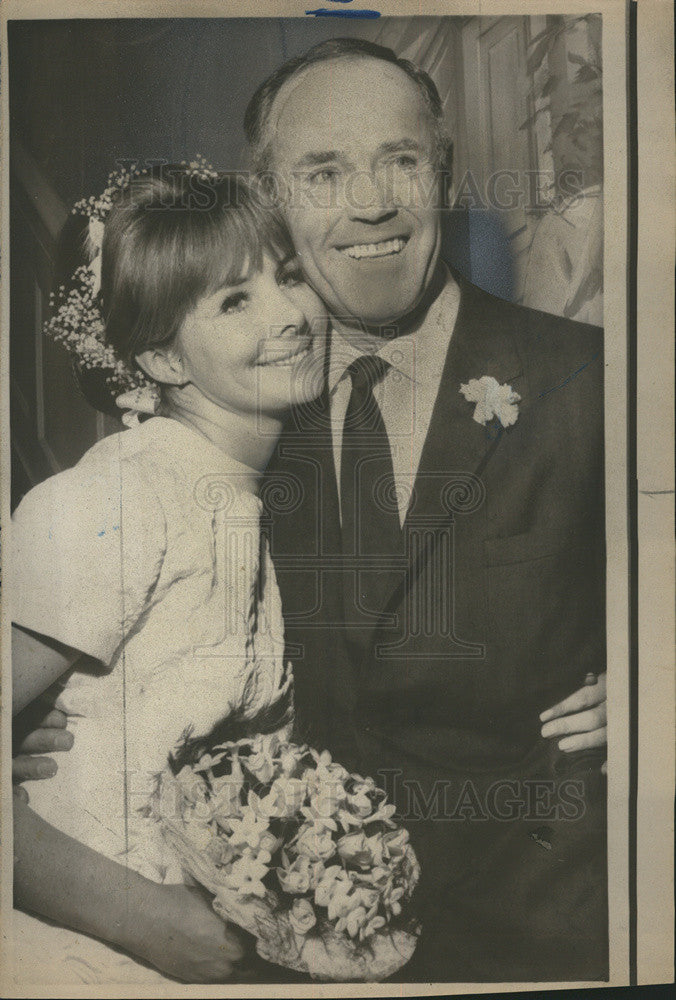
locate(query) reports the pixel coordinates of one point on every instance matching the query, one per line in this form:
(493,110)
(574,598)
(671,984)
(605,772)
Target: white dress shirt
(407,393)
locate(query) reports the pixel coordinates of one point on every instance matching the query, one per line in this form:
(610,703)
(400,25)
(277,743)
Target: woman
(143,586)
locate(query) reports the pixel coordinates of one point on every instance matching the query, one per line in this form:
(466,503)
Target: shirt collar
(418,356)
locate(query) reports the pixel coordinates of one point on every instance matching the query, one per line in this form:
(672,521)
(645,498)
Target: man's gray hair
(258,113)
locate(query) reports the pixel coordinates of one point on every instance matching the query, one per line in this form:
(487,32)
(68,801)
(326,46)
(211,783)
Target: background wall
(84,94)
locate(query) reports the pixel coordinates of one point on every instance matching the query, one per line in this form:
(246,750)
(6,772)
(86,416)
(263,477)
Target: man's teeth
(360,250)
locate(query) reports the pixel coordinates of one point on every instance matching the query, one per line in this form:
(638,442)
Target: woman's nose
(287,317)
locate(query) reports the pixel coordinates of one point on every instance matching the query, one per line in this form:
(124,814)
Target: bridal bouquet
(297,851)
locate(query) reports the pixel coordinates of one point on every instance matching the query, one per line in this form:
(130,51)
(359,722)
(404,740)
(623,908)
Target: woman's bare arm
(171,926)
(37,661)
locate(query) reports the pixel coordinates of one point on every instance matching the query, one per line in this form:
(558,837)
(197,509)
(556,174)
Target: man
(442,579)
(429,633)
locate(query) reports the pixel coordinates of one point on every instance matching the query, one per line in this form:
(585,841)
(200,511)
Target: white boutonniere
(492,400)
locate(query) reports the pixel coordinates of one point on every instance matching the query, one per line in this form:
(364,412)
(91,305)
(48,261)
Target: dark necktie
(371,533)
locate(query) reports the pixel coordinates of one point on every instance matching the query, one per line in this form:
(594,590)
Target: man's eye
(406,162)
(324,176)
(234,303)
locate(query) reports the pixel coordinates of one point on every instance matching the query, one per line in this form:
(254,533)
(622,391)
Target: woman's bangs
(235,246)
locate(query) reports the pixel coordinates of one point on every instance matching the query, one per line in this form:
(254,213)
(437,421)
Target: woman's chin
(282,387)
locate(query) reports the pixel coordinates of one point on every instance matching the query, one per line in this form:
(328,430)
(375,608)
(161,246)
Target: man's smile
(382,248)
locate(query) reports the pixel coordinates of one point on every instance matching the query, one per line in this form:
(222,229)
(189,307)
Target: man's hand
(579,721)
(38,732)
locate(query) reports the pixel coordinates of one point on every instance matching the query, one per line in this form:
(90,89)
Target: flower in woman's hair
(322,759)
(248,831)
(327,770)
(327,799)
(362,913)
(368,898)
(294,882)
(492,400)
(302,916)
(343,900)
(95,230)
(247,874)
(377,876)
(200,811)
(314,845)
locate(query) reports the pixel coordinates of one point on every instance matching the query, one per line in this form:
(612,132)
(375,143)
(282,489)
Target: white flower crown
(78,323)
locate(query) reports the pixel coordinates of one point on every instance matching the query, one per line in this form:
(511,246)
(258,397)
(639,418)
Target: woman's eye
(234,303)
(291,278)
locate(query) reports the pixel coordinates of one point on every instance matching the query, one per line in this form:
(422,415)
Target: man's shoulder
(545,342)
(522,318)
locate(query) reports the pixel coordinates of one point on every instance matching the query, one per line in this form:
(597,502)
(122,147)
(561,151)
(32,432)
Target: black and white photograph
(317,579)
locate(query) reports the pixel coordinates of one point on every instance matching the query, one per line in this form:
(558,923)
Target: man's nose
(367,200)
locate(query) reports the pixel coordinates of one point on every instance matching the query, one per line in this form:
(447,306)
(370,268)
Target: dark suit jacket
(494,611)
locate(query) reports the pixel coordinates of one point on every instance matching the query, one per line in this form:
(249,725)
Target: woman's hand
(579,721)
(188,940)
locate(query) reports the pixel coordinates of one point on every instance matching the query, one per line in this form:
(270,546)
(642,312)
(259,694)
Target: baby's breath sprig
(78,323)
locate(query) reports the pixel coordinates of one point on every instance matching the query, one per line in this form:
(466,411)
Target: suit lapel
(455,442)
(457,449)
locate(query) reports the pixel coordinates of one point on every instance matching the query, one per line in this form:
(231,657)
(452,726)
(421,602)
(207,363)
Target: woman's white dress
(148,556)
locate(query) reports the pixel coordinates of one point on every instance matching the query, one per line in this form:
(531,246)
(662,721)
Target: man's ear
(164,365)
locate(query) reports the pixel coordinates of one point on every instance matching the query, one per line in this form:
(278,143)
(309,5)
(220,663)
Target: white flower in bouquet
(303,855)
(248,872)
(327,771)
(360,797)
(284,800)
(301,875)
(226,798)
(392,898)
(302,916)
(395,843)
(356,849)
(192,786)
(261,765)
(252,831)
(290,757)
(314,844)
(331,883)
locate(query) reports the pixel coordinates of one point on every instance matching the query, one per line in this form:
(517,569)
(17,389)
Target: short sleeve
(87,550)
